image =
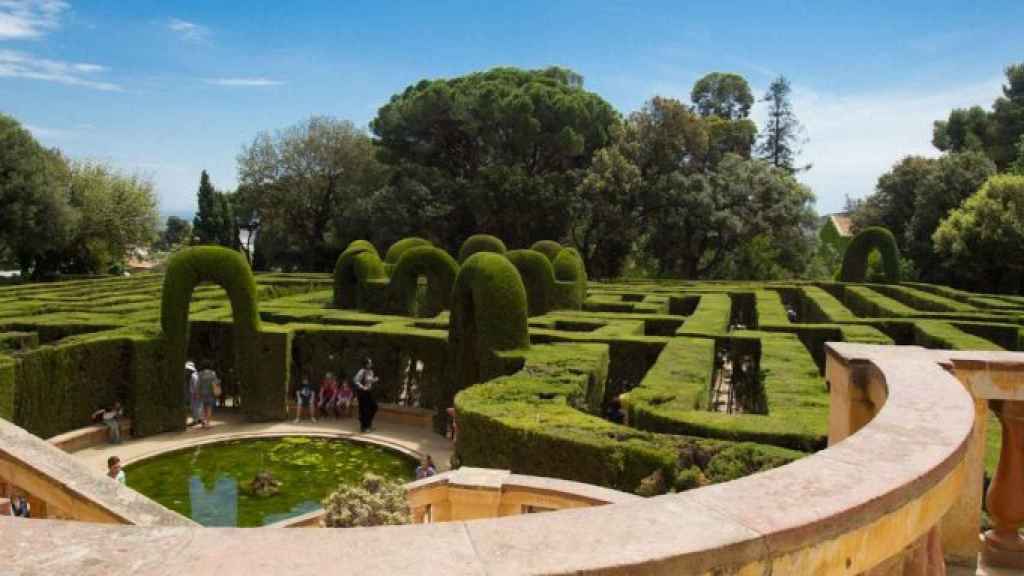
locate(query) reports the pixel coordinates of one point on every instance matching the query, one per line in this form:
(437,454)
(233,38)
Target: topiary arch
(396,250)
(855,260)
(263,398)
(488,316)
(538,277)
(549,248)
(570,280)
(440,270)
(481,243)
(357,267)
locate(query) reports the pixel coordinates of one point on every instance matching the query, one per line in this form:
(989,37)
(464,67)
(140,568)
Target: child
(343,404)
(111,417)
(328,395)
(305,397)
(114,469)
(426,469)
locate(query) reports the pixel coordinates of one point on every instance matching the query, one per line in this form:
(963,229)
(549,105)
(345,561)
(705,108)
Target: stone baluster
(1004,546)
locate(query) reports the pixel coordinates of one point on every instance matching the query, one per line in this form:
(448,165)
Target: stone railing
(902,430)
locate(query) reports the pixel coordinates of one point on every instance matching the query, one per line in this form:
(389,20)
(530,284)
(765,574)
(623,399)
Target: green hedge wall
(7,370)
(357,267)
(480,243)
(866,302)
(855,259)
(394,253)
(711,317)
(440,270)
(548,248)
(943,335)
(570,289)
(538,277)
(489,314)
(820,306)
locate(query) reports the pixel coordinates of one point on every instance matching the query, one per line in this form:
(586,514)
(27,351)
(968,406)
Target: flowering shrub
(376,502)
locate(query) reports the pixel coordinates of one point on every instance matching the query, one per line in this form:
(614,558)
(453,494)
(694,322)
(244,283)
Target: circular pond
(213,483)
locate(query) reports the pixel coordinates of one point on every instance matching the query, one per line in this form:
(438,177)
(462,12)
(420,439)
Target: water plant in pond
(233,483)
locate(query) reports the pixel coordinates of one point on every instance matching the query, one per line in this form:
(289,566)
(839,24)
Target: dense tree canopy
(783,133)
(995,133)
(176,232)
(722,94)
(982,239)
(497,151)
(214,223)
(305,182)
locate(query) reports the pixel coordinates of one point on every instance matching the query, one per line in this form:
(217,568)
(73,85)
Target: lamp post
(248,239)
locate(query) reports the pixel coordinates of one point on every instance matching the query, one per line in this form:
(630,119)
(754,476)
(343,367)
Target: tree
(214,223)
(304,181)
(36,219)
(892,204)
(995,132)
(982,239)
(722,94)
(783,133)
(501,150)
(665,136)
(605,213)
(177,232)
(116,213)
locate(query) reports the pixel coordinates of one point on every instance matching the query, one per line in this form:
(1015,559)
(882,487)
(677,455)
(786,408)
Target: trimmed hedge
(7,375)
(549,248)
(394,253)
(440,270)
(480,243)
(710,318)
(943,335)
(358,277)
(921,300)
(855,259)
(821,306)
(489,315)
(570,280)
(538,277)
(866,302)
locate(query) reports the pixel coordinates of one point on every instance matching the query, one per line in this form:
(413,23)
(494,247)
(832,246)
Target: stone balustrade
(902,428)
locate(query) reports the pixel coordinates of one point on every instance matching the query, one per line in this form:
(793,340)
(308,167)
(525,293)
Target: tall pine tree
(214,222)
(783,133)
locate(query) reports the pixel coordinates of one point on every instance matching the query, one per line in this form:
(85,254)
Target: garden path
(414,440)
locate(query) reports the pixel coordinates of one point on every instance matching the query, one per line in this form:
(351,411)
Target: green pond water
(209,483)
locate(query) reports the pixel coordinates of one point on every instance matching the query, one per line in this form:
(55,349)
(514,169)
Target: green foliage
(783,134)
(177,232)
(228,269)
(440,270)
(605,212)
(979,237)
(214,223)
(307,182)
(481,243)
(538,277)
(396,250)
(570,288)
(722,94)
(489,315)
(376,502)
(855,259)
(7,386)
(548,248)
(357,267)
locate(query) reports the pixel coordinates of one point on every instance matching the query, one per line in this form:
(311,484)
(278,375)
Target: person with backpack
(209,388)
(364,381)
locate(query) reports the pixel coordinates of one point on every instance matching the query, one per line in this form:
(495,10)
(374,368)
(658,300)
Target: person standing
(364,381)
(192,391)
(305,397)
(208,382)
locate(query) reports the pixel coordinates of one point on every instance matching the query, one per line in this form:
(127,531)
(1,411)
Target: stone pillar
(1004,547)
(961,524)
(5,507)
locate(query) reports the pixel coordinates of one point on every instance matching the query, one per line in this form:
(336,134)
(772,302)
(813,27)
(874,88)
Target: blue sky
(170,88)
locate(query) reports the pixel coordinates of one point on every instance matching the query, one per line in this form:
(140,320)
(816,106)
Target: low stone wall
(88,436)
(873,498)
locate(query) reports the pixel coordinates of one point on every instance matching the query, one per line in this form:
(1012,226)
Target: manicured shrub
(357,268)
(489,315)
(228,269)
(7,369)
(855,260)
(440,270)
(396,250)
(538,276)
(570,280)
(548,248)
(480,243)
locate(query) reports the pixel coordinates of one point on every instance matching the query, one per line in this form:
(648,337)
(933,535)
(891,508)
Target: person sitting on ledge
(114,469)
(305,397)
(328,395)
(20,507)
(343,404)
(426,469)
(111,417)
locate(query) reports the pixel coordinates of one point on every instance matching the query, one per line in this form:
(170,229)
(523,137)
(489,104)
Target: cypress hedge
(538,276)
(355,272)
(855,259)
(548,248)
(570,280)
(481,243)
(394,253)
(440,270)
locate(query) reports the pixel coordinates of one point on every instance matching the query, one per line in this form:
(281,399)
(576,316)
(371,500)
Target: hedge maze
(643,385)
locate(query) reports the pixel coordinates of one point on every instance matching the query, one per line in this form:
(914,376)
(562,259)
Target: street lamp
(247,235)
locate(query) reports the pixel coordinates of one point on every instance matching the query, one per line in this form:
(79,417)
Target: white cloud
(243,82)
(15,64)
(188,30)
(21,19)
(855,138)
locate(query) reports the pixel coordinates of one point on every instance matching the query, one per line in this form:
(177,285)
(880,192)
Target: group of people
(337,399)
